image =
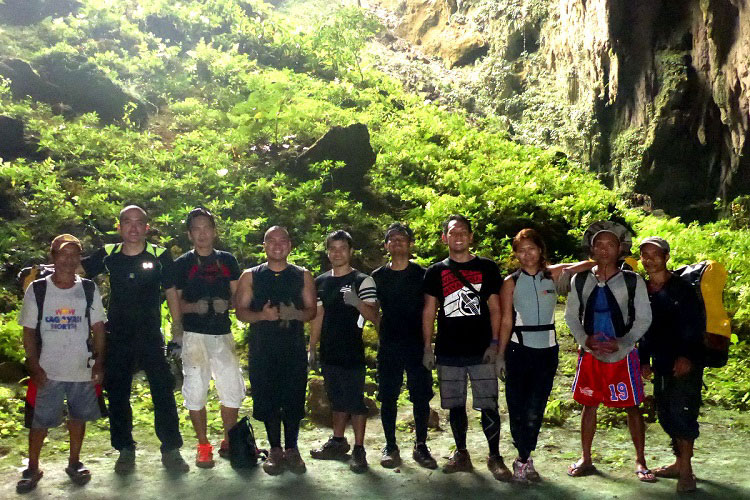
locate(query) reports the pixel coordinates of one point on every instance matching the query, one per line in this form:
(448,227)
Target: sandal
(78,473)
(579,470)
(646,476)
(28,480)
(667,472)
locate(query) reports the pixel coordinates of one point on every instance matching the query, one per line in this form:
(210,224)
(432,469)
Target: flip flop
(580,470)
(78,473)
(643,476)
(28,480)
(667,472)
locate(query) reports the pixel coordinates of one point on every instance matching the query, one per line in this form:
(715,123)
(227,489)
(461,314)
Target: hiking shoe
(294,461)
(172,460)
(126,461)
(499,471)
(458,462)
(359,459)
(390,457)
(224,449)
(274,464)
(520,471)
(332,450)
(531,473)
(423,457)
(205,456)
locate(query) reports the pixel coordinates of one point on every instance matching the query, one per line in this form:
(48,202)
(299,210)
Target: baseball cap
(64,239)
(655,240)
(622,233)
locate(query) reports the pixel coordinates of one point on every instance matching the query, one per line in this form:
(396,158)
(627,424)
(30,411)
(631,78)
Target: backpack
(631,280)
(708,278)
(27,275)
(243,452)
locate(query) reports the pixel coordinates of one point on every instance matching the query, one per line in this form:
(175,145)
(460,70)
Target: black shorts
(345,388)
(678,402)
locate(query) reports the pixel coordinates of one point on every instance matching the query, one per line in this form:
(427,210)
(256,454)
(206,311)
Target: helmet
(624,234)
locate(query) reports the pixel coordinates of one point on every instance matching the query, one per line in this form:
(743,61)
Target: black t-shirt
(677,325)
(135,283)
(464,327)
(277,287)
(401,299)
(341,337)
(206,278)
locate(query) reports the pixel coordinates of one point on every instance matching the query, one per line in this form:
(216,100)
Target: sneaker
(390,457)
(126,461)
(423,457)
(531,473)
(520,471)
(204,458)
(332,450)
(499,471)
(294,461)
(274,464)
(359,459)
(224,449)
(458,462)
(172,460)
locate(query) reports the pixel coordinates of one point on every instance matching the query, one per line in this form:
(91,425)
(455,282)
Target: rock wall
(653,94)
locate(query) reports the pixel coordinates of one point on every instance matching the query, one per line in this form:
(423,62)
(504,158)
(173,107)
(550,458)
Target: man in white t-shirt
(59,358)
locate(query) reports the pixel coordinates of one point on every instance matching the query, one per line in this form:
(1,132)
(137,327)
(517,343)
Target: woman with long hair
(528,342)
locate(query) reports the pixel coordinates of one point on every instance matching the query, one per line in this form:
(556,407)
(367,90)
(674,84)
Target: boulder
(11,372)
(434,421)
(14,143)
(350,145)
(73,85)
(318,406)
(25,12)
(25,81)
(464,50)
(86,88)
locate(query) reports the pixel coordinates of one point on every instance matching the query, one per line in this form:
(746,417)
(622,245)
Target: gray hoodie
(617,286)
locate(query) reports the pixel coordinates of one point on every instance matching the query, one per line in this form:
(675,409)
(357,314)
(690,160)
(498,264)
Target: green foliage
(241,94)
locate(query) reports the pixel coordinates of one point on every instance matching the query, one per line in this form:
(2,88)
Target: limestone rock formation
(439,27)
(652,94)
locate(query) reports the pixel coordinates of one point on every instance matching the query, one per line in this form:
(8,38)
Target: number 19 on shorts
(618,393)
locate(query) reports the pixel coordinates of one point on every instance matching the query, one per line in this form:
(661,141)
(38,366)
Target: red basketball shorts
(617,384)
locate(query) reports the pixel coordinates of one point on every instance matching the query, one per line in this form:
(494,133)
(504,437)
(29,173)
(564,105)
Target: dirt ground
(720,462)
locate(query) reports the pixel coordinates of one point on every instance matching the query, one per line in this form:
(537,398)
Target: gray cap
(655,240)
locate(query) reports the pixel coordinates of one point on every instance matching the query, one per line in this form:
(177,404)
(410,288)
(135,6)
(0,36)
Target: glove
(200,307)
(500,367)
(176,331)
(490,355)
(312,359)
(174,350)
(287,312)
(220,305)
(428,358)
(351,298)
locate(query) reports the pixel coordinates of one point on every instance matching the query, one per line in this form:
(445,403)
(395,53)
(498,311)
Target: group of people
(488,328)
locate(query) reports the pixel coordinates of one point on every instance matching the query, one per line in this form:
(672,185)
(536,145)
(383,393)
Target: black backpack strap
(40,290)
(452,267)
(631,281)
(580,281)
